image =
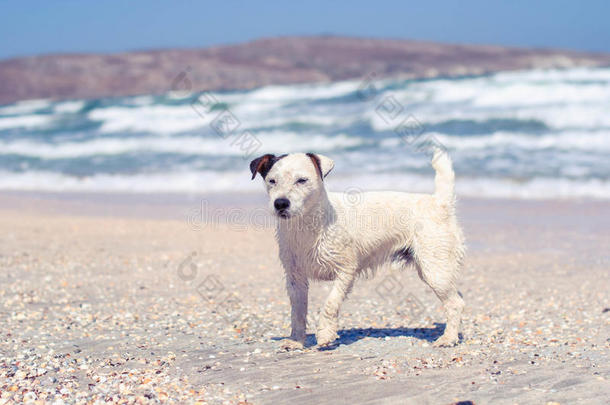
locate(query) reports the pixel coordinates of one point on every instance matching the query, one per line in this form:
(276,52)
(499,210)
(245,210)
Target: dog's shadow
(349,336)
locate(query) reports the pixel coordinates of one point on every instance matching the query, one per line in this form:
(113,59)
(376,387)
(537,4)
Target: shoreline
(177,205)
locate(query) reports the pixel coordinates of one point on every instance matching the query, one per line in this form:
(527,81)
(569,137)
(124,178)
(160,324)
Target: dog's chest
(319,258)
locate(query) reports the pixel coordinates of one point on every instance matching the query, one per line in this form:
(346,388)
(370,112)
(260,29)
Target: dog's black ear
(322,164)
(262,165)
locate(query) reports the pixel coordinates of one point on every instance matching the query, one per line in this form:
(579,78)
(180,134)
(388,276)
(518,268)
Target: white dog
(336,236)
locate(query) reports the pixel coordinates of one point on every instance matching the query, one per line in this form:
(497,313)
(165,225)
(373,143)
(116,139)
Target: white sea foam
(239,181)
(536,188)
(585,141)
(266,106)
(490,92)
(558,117)
(291,93)
(578,98)
(298,118)
(24,107)
(283,142)
(158,119)
(578,74)
(69,106)
(276,141)
(178,181)
(25,121)
(564,100)
(140,100)
(528,94)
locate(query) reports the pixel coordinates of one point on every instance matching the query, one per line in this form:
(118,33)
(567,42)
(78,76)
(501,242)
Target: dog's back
(386,226)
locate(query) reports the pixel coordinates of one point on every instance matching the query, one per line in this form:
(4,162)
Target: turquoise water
(529,134)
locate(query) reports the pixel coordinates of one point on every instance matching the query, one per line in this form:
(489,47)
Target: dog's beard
(283,215)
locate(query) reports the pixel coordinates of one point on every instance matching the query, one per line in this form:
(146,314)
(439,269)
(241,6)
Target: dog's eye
(271,181)
(302,180)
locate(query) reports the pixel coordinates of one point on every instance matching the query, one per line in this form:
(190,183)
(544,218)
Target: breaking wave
(527,134)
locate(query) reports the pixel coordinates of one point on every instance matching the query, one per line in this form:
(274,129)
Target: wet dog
(336,237)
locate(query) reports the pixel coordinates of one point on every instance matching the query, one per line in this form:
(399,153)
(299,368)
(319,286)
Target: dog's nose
(281,204)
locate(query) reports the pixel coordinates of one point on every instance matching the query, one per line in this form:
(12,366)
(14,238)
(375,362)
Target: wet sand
(146,298)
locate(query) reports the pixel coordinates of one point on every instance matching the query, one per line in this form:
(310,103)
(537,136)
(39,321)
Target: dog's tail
(444,181)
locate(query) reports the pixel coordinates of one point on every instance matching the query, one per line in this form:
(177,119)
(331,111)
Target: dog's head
(295,182)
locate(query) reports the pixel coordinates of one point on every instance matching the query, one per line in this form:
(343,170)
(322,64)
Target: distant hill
(266,61)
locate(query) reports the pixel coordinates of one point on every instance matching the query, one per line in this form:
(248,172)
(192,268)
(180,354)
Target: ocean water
(527,134)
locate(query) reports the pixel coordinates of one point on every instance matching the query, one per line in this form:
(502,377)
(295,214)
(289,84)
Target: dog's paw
(446,341)
(325,337)
(289,344)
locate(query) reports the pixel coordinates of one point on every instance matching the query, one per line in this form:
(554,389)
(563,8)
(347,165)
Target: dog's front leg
(327,325)
(298,288)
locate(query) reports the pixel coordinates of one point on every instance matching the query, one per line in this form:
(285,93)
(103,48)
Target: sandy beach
(135,299)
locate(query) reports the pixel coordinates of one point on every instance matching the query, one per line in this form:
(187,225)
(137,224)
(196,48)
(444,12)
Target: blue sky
(34,27)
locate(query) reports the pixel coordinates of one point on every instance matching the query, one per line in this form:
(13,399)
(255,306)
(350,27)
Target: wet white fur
(336,236)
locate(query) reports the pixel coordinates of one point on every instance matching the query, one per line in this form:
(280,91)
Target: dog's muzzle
(281,207)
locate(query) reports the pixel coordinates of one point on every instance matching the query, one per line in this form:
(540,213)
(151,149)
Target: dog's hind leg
(328,323)
(440,279)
